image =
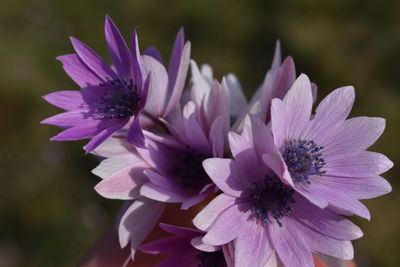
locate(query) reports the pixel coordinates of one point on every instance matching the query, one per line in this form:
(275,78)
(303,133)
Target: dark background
(49,213)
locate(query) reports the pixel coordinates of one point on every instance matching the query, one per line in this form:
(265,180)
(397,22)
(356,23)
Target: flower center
(188,168)
(271,199)
(211,259)
(303,159)
(119,101)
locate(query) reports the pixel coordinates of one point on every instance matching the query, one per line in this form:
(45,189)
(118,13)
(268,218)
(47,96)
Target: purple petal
(124,184)
(162,181)
(332,261)
(103,135)
(78,71)
(206,217)
(228,225)
(332,111)
(355,134)
(66,119)
(117,48)
(169,245)
(163,194)
(135,134)
(216,137)
(93,60)
(298,104)
(175,60)
(327,245)
(156,98)
(276,163)
(359,187)
(80,131)
(195,136)
(114,146)
(238,143)
(199,245)
(325,221)
(176,90)
(261,135)
(68,100)
(138,220)
(238,101)
(278,122)
(358,164)
(145,92)
(222,173)
(252,247)
(290,245)
(137,70)
(153,52)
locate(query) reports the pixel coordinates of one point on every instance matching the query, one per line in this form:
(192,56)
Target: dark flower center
(303,159)
(211,259)
(271,199)
(188,168)
(119,101)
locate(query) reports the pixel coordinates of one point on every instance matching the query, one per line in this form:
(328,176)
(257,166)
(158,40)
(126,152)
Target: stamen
(189,170)
(118,102)
(271,198)
(303,159)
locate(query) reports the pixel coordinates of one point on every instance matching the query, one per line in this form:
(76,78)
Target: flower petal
(154,53)
(228,225)
(252,247)
(78,71)
(138,220)
(135,134)
(290,245)
(117,48)
(80,131)
(216,137)
(66,119)
(162,194)
(93,60)
(68,100)
(103,135)
(206,217)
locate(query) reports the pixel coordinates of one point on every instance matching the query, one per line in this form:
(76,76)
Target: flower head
(185,249)
(323,156)
(110,97)
(262,214)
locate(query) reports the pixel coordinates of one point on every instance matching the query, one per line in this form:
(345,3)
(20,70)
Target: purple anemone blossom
(109,98)
(261,214)
(323,156)
(196,133)
(185,249)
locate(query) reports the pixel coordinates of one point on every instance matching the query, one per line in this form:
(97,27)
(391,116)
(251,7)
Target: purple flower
(196,133)
(110,96)
(323,156)
(261,214)
(185,249)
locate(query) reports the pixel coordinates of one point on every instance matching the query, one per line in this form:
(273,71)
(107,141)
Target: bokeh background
(49,213)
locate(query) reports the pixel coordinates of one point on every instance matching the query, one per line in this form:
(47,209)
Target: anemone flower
(109,98)
(185,249)
(323,156)
(261,214)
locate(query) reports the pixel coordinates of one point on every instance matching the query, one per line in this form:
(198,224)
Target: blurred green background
(50,214)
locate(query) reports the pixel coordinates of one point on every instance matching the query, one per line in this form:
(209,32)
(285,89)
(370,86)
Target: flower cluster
(281,178)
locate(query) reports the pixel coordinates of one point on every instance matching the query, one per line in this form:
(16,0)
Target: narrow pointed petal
(163,194)
(136,63)
(68,100)
(216,137)
(332,110)
(135,134)
(156,98)
(355,134)
(176,91)
(298,104)
(117,48)
(93,60)
(278,122)
(66,119)
(103,135)
(176,57)
(78,71)
(80,131)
